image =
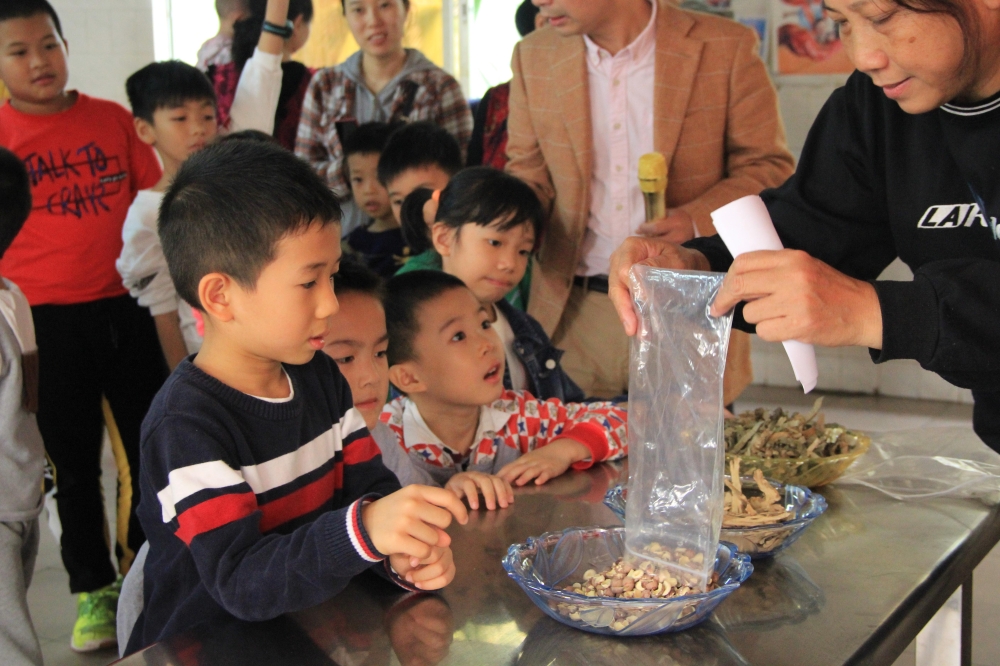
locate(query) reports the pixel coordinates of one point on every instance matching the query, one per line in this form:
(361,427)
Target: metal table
(855,589)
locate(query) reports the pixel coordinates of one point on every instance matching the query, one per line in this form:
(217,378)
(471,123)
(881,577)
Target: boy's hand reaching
(494,489)
(411,521)
(430,573)
(545,463)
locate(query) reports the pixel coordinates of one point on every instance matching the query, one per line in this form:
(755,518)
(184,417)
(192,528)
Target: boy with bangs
(174,108)
(264,493)
(99,359)
(456,416)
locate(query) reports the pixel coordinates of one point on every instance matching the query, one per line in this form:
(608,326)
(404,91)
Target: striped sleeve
(454,114)
(316,142)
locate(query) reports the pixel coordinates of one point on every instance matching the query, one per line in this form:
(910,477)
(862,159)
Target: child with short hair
(263,491)
(417,155)
(456,416)
(218,50)
(379,242)
(174,108)
(22,454)
(86,165)
(483,227)
(357,342)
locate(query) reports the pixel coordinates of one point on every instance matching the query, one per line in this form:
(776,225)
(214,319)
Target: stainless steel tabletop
(855,589)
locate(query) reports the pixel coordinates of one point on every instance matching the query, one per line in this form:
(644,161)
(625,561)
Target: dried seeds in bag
(676,445)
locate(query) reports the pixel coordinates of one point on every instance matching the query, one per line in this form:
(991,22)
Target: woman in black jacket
(904,160)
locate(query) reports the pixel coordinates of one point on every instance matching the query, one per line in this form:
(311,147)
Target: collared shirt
(508,428)
(621,114)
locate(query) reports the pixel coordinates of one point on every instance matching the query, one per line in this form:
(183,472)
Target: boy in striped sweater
(263,492)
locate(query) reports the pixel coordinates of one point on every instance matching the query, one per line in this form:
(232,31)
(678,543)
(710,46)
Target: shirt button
(618,207)
(617,82)
(618,125)
(618,167)
(550,364)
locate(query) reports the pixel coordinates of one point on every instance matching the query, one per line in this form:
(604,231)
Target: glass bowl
(805,472)
(555,558)
(761,540)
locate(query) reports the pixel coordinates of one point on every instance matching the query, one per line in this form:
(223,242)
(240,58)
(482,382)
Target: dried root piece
(765,509)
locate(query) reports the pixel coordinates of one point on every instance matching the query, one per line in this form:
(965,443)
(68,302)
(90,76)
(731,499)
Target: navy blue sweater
(252,508)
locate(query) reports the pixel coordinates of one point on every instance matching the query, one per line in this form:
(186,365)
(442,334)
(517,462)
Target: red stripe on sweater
(359,532)
(216,512)
(361,451)
(304,500)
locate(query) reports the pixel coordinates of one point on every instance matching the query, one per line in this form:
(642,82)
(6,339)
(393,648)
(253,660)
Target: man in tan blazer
(607,81)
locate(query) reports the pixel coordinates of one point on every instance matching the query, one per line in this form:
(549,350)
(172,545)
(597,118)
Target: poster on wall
(806,40)
(756,15)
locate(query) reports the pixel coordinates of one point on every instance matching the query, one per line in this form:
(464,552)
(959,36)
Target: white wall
(108,40)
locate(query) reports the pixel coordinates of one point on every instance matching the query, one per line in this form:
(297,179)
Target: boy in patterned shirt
(455,420)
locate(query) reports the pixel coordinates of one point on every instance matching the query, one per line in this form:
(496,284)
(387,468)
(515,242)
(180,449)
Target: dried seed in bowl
(638,583)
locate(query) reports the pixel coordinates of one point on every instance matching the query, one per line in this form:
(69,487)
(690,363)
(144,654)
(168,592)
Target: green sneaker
(96,619)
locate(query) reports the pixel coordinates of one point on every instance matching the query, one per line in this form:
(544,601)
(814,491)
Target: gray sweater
(22,454)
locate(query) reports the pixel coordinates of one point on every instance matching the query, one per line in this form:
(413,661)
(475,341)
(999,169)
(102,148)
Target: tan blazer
(715,119)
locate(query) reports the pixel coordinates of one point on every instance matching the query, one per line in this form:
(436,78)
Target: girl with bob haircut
(484,226)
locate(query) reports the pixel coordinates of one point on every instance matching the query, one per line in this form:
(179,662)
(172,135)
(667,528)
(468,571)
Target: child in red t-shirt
(86,164)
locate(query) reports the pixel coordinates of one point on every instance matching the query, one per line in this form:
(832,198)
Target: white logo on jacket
(953,216)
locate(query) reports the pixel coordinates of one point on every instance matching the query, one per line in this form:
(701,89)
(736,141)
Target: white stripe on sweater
(186,481)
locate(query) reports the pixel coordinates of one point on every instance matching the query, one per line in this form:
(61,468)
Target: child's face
(357,340)
(459,356)
(431,176)
(179,132)
(285,316)
(32,59)
(491,262)
(368,192)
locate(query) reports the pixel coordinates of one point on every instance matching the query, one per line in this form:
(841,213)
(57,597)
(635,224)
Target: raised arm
(257,93)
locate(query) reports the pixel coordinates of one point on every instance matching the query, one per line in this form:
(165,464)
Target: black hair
(355,276)
(15,193)
(246,31)
(524,18)
(368,138)
(249,135)
(343,5)
(229,206)
(417,145)
(15,9)
(166,84)
(477,195)
(404,295)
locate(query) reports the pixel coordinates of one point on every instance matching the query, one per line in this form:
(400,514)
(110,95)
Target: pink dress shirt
(621,114)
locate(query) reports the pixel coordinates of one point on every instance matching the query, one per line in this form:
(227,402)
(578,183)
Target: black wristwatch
(283,31)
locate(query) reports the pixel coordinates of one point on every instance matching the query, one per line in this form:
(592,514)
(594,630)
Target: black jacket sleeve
(834,207)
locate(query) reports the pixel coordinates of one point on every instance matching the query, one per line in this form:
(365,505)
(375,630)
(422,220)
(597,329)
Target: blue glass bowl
(760,541)
(559,558)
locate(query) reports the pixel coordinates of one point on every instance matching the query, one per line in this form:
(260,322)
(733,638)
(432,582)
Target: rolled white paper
(745,226)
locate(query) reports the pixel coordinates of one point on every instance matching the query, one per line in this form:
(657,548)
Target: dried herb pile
(778,434)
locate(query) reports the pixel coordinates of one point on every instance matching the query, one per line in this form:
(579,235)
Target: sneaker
(96,619)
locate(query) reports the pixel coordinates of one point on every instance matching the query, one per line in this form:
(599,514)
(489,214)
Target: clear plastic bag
(926,463)
(676,449)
